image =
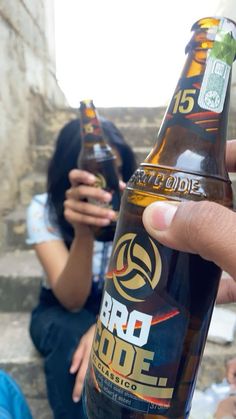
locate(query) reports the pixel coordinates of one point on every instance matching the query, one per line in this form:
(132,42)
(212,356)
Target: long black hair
(64,159)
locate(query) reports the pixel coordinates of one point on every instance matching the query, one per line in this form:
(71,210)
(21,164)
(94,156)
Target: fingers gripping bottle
(157,302)
(96,156)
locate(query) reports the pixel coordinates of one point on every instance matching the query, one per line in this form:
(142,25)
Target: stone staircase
(20,272)
(19,285)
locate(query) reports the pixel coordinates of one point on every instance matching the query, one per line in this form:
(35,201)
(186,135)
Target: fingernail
(160,215)
(91,178)
(107,197)
(76,399)
(112,215)
(105,222)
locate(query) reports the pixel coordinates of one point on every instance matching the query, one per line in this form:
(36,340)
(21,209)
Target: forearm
(74,283)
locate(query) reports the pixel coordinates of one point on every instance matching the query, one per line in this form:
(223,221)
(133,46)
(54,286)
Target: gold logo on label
(138,269)
(88,128)
(100,181)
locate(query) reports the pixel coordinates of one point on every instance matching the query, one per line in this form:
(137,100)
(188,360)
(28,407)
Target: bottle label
(134,360)
(91,127)
(218,67)
(214,85)
(110,184)
(100,182)
(185,110)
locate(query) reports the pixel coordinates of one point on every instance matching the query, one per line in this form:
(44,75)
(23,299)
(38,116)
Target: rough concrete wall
(28,84)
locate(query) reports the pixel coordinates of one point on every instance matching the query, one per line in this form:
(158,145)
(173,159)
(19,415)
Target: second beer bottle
(158,302)
(97,157)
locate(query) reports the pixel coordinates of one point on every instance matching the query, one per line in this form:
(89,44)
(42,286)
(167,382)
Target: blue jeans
(56,333)
(12,402)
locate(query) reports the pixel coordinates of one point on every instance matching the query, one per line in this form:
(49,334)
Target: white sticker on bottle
(214,85)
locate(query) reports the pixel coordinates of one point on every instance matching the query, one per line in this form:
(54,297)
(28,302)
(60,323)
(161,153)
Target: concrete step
(212,368)
(121,117)
(14,230)
(141,153)
(20,359)
(133,115)
(20,277)
(140,136)
(136,136)
(14,234)
(138,125)
(40,408)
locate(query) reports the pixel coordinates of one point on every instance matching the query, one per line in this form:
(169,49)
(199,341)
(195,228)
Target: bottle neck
(192,135)
(91,130)
(94,145)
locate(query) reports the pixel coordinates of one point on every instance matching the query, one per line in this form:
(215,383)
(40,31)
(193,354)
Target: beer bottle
(158,302)
(97,157)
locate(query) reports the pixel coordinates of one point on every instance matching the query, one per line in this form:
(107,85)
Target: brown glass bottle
(97,157)
(158,302)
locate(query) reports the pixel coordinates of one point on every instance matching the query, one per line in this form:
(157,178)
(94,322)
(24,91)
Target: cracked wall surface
(28,85)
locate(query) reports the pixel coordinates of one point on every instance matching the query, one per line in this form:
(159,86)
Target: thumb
(205,228)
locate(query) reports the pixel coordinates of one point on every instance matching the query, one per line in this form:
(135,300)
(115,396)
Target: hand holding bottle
(98,157)
(78,211)
(160,291)
(204,228)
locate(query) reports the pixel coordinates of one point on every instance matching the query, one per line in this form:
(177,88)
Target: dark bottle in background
(158,302)
(96,156)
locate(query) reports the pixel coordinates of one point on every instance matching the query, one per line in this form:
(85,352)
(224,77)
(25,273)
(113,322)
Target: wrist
(83,231)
